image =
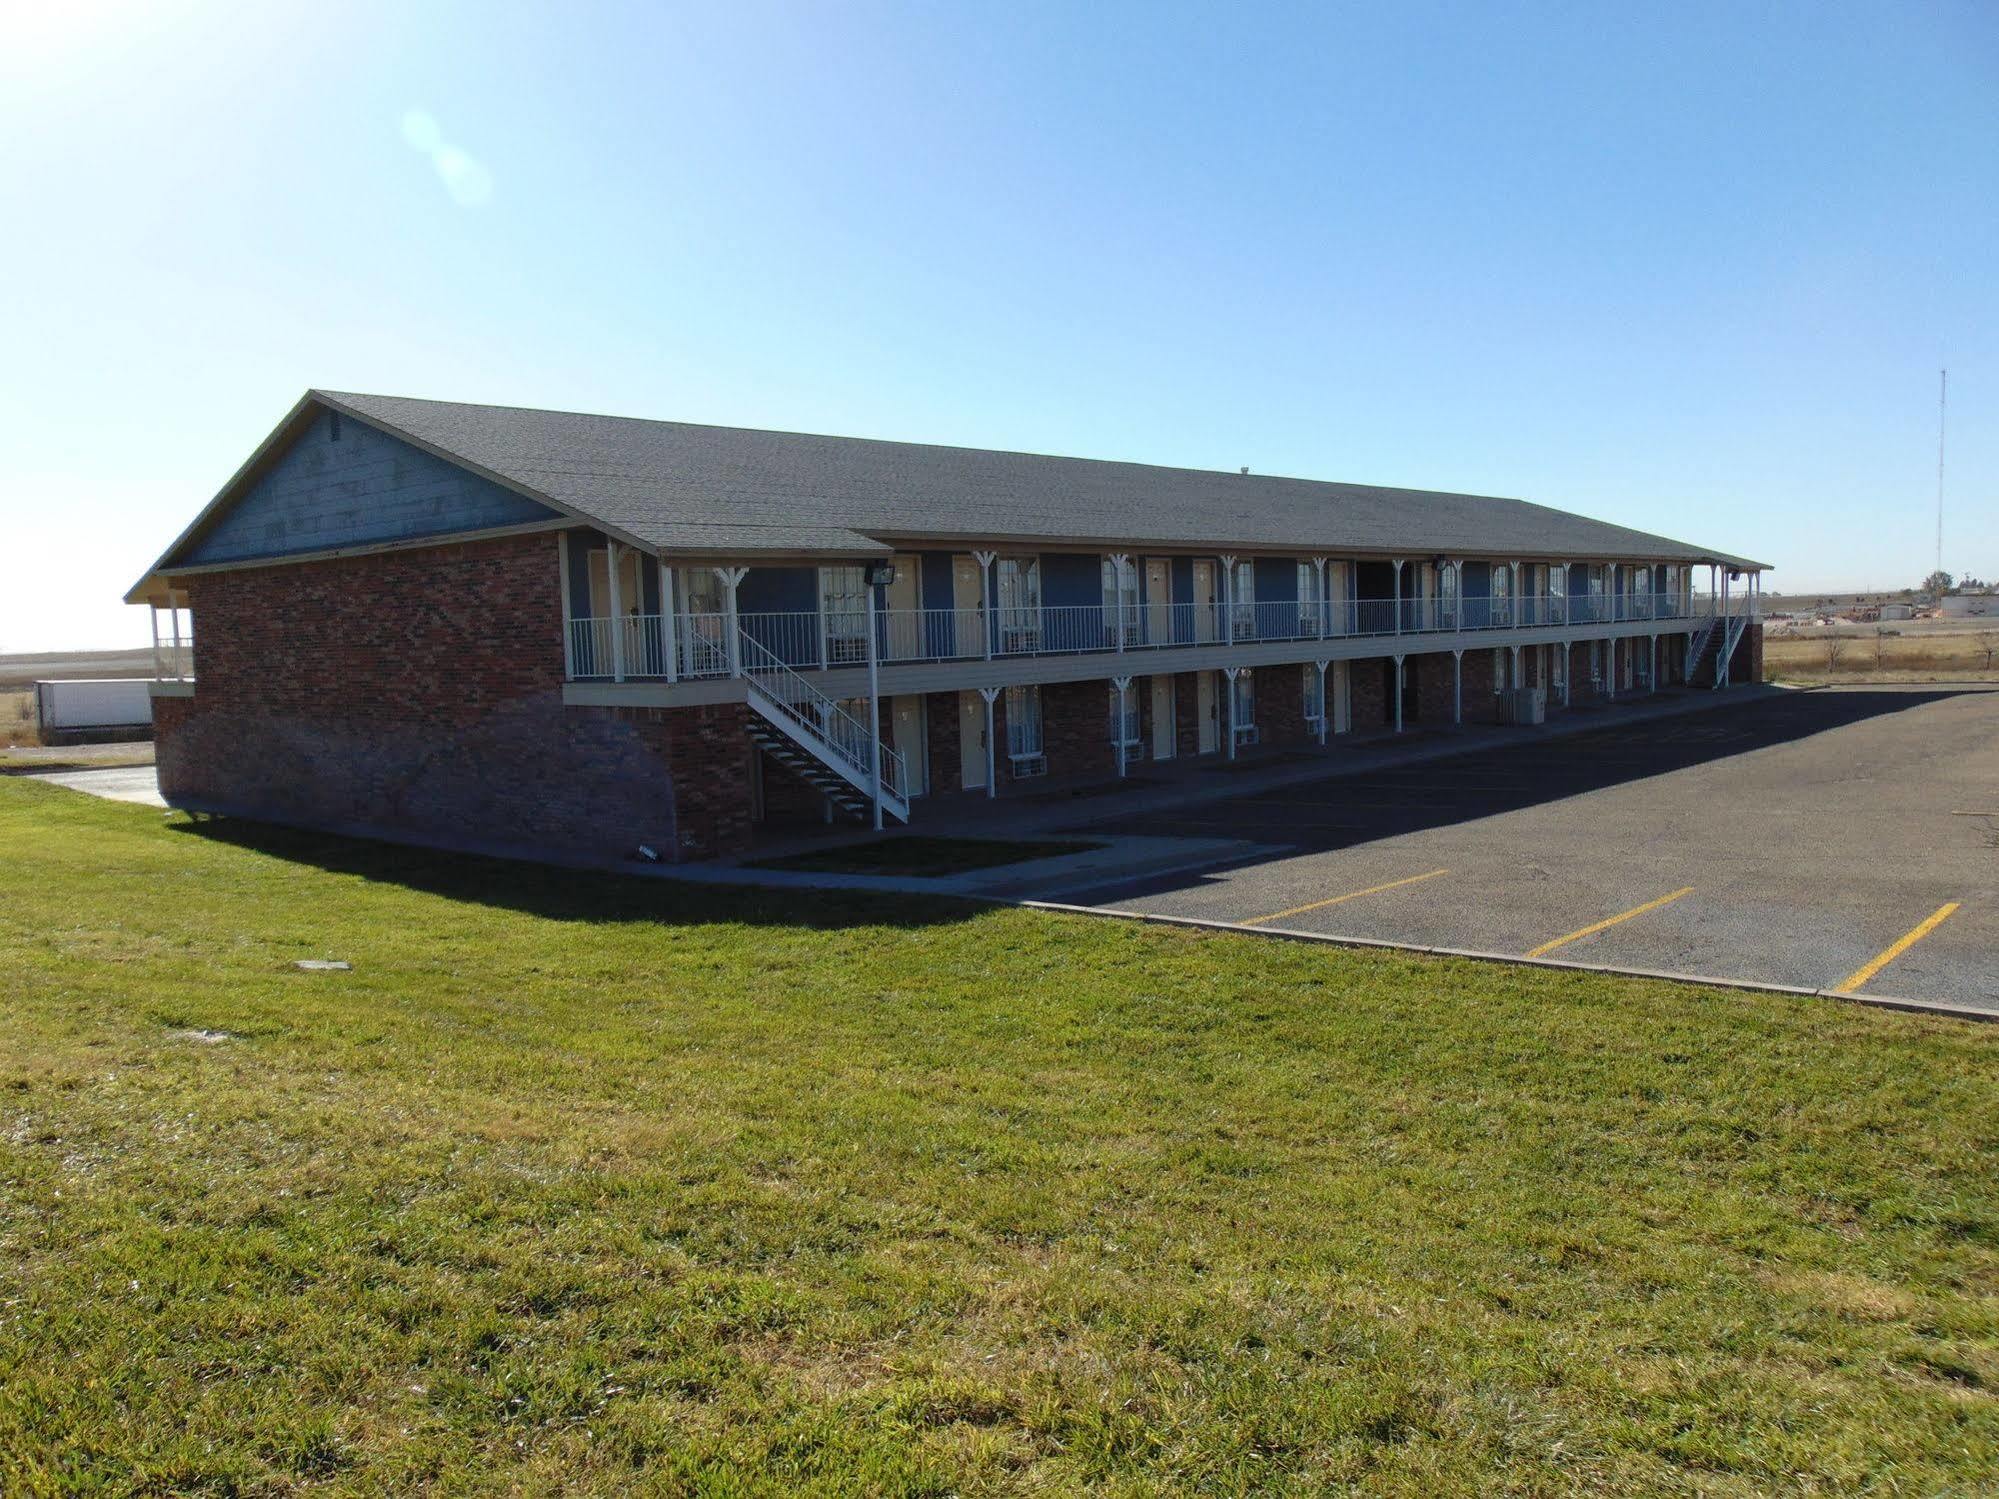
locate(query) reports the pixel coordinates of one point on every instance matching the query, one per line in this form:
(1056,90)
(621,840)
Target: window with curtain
(1120,599)
(1310,599)
(1245,700)
(1315,695)
(1023,723)
(1502,593)
(1124,719)
(1242,600)
(843,613)
(1017,588)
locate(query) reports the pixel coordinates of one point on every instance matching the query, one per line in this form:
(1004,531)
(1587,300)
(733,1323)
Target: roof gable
(342,483)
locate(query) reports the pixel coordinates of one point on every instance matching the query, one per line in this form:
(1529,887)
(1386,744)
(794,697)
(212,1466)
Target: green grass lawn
(926,856)
(606,1186)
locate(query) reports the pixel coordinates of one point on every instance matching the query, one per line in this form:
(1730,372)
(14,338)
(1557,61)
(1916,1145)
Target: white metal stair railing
(1734,626)
(820,726)
(1697,644)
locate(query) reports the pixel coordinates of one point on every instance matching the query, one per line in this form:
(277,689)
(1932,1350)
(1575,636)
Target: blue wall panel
(778,590)
(1277,580)
(789,592)
(940,629)
(365,487)
(1069,579)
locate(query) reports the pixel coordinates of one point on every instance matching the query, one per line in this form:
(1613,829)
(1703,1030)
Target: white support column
(1325,702)
(874,705)
(1227,631)
(730,577)
(667,641)
(1398,623)
(1325,603)
(992,750)
(1610,670)
(1652,667)
(617,612)
(160,667)
(1119,562)
(1517,679)
(985,561)
(1457,688)
(1122,686)
(1398,681)
(1721,661)
(1230,672)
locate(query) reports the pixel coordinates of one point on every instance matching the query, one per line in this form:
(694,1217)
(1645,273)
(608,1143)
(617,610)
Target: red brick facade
(419,692)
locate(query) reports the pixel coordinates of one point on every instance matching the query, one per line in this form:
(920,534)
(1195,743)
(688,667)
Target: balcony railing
(173,662)
(641,645)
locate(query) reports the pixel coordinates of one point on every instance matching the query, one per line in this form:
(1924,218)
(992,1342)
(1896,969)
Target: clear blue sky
(1690,267)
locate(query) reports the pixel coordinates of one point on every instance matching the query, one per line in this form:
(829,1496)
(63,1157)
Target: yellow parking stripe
(1929,924)
(1609,921)
(1334,900)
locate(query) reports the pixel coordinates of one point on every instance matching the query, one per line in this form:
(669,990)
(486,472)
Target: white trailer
(103,705)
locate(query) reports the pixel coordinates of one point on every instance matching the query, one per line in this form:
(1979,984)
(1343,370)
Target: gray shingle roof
(682,487)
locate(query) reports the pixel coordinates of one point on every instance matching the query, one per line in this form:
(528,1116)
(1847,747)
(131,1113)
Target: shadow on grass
(557,893)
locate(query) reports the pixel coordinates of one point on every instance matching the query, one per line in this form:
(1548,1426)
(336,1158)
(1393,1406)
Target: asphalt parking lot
(1842,839)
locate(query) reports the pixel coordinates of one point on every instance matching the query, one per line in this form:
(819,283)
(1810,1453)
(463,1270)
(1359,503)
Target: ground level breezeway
(1794,840)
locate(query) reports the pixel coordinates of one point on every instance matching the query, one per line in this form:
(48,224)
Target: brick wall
(1749,656)
(1579,683)
(940,711)
(1076,729)
(420,692)
(1280,706)
(1187,714)
(1371,708)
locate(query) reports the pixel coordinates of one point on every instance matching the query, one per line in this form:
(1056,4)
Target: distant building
(1970,605)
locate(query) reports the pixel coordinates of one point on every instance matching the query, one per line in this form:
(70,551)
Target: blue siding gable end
(361,488)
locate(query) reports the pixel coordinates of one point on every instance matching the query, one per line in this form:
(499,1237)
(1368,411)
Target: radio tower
(1943,398)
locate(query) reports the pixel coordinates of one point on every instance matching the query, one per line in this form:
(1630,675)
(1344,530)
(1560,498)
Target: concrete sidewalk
(123,783)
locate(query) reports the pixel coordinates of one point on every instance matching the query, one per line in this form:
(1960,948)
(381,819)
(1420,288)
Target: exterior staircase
(816,739)
(1711,647)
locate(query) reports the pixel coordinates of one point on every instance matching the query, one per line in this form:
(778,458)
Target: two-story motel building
(585,634)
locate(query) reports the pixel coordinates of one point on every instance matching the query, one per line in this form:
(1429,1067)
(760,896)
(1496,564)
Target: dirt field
(17,718)
(1921,652)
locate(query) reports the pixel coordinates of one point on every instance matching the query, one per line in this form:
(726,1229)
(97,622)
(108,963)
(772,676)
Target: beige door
(909,741)
(1342,705)
(1205,704)
(1204,601)
(1158,600)
(1164,729)
(902,631)
(971,740)
(967,593)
